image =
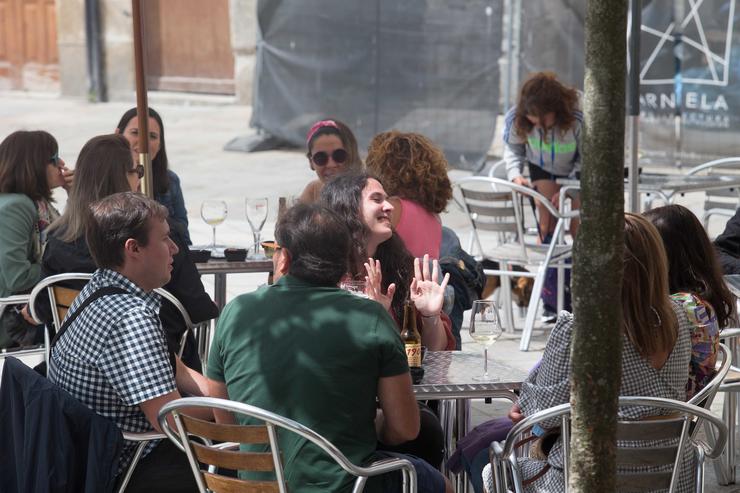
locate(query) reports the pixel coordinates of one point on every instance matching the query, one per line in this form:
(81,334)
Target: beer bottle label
(413,353)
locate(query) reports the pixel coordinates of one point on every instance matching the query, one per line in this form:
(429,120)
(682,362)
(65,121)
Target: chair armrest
(144,436)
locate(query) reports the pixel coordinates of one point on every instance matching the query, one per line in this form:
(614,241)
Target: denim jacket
(175,203)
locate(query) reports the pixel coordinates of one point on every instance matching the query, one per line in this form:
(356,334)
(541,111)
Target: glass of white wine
(256,215)
(213,213)
(485,328)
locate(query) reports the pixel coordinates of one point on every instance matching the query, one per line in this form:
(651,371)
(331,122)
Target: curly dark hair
(343,195)
(541,94)
(692,263)
(411,167)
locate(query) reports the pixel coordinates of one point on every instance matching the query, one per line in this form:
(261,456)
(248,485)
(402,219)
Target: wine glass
(485,328)
(213,213)
(355,287)
(256,215)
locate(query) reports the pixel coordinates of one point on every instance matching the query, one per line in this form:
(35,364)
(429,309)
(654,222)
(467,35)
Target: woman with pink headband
(332,150)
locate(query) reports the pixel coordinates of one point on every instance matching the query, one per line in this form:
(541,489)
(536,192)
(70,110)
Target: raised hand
(427,293)
(374,284)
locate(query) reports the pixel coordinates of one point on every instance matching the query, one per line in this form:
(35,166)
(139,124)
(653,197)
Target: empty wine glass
(485,328)
(256,215)
(213,213)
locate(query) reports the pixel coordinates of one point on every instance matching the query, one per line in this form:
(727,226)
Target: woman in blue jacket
(167,189)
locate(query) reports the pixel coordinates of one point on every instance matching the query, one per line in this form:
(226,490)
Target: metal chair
(61,296)
(672,432)
(267,433)
(5,303)
(496,206)
(719,202)
(725,466)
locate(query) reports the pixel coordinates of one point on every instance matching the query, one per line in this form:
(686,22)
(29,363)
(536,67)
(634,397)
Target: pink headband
(316,126)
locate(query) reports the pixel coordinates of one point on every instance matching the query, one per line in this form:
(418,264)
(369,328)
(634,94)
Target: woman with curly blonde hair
(413,171)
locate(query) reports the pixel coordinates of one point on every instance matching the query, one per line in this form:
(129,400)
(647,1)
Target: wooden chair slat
(64,296)
(225,433)
(234,459)
(649,456)
(223,484)
(637,483)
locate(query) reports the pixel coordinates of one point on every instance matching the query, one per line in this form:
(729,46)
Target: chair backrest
(266,433)
(651,443)
(498,206)
(51,441)
(62,295)
(724,201)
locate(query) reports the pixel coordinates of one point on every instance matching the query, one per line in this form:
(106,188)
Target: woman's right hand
(515,413)
(374,285)
(520,180)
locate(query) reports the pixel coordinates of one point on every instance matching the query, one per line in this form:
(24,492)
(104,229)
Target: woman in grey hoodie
(543,131)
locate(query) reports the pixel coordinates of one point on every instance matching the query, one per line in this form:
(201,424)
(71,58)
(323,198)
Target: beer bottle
(411,337)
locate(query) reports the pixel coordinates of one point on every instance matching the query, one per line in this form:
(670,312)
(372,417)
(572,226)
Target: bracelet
(429,316)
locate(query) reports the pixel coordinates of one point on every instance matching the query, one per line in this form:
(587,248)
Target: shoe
(548,317)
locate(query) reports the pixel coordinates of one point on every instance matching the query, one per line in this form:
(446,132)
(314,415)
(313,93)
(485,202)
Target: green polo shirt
(314,355)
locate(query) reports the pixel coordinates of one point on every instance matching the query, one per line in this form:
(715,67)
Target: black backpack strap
(104,291)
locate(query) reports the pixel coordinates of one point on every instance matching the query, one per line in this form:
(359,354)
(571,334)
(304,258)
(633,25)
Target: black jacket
(728,246)
(185,285)
(51,442)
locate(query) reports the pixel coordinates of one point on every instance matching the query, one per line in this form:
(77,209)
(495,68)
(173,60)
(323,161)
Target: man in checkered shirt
(114,357)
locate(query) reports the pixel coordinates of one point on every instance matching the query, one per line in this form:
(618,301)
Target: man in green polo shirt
(306,350)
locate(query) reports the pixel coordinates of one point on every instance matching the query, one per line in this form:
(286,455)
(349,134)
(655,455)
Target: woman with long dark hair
(379,255)
(695,279)
(167,189)
(104,167)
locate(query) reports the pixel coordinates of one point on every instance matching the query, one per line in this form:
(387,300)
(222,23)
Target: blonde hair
(649,320)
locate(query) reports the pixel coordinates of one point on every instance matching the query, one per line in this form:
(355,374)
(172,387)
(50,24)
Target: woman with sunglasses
(332,150)
(105,166)
(167,189)
(30,168)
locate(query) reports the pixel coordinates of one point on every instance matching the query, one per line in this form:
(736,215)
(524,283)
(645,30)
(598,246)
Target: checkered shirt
(548,385)
(114,355)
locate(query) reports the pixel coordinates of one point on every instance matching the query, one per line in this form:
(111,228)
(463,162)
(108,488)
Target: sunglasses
(320,158)
(139,170)
(55,160)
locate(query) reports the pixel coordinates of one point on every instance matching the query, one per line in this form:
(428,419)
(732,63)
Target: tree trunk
(597,262)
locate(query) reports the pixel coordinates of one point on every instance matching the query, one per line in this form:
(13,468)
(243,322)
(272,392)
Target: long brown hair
(101,170)
(411,167)
(541,94)
(692,263)
(649,320)
(24,158)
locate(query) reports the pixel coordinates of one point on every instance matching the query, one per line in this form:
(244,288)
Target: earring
(660,322)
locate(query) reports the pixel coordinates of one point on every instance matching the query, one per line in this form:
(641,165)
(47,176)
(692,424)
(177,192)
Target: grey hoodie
(557,153)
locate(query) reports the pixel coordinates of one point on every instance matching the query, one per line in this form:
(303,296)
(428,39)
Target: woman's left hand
(427,293)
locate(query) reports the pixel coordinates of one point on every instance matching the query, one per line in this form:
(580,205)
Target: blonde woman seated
(656,351)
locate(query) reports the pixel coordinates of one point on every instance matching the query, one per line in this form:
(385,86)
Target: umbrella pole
(142,104)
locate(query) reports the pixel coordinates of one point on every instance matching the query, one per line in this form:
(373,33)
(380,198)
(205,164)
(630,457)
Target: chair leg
(506,302)
(724,467)
(534,302)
